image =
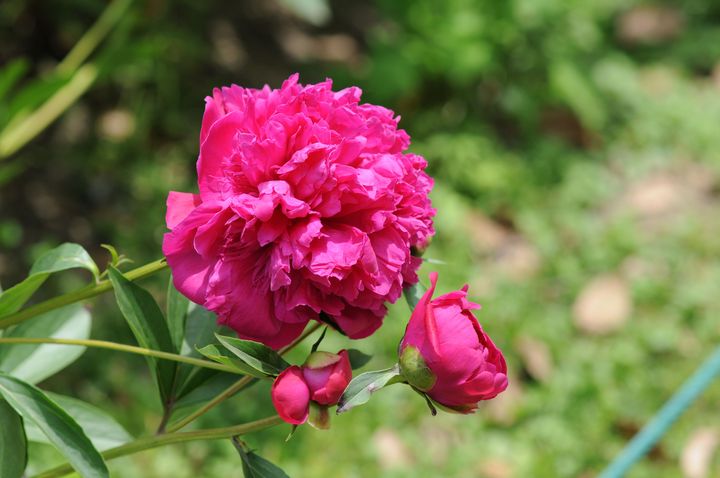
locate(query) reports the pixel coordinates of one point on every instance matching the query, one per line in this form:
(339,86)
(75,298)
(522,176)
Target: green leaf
(200,328)
(66,256)
(102,429)
(255,354)
(177,312)
(255,466)
(214,353)
(357,358)
(36,362)
(361,387)
(11,73)
(148,326)
(13,444)
(413,294)
(62,431)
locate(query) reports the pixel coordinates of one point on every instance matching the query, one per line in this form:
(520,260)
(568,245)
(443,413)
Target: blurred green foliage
(568,139)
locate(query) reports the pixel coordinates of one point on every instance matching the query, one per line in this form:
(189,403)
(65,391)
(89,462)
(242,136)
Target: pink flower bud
(291,396)
(322,380)
(327,375)
(446,354)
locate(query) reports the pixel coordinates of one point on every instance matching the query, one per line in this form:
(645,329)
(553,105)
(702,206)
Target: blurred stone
(655,195)
(228,51)
(116,125)
(303,47)
(486,235)
(496,468)
(603,306)
(697,455)
(392,452)
(716,76)
(667,193)
(649,24)
(536,358)
(518,259)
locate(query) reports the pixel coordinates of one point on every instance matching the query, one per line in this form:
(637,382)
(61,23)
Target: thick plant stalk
(122,348)
(76,296)
(170,438)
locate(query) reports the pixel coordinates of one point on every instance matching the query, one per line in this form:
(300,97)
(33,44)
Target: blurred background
(576,151)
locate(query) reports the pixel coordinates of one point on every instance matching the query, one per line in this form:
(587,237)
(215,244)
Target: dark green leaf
(413,294)
(66,256)
(102,429)
(255,354)
(62,431)
(357,358)
(364,385)
(148,326)
(318,341)
(35,362)
(255,466)
(177,312)
(13,444)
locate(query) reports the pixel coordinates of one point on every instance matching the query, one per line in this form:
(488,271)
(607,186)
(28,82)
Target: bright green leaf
(63,257)
(61,430)
(13,444)
(103,430)
(36,362)
(258,356)
(364,385)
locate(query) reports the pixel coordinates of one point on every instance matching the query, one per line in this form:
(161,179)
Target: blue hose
(673,408)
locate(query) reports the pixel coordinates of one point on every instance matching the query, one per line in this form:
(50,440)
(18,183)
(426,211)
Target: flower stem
(121,348)
(224,395)
(235,387)
(81,294)
(170,438)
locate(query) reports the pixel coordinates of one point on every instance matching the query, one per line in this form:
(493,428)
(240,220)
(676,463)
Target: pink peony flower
(446,354)
(322,380)
(307,206)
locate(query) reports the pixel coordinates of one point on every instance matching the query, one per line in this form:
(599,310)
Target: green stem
(170,438)
(224,395)
(93,36)
(76,296)
(235,387)
(18,134)
(102,344)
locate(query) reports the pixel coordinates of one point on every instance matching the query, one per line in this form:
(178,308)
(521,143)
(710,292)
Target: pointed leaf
(66,256)
(36,362)
(364,385)
(357,358)
(13,444)
(177,312)
(62,431)
(216,354)
(413,294)
(102,429)
(256,355)
(255,466)
(148,326)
